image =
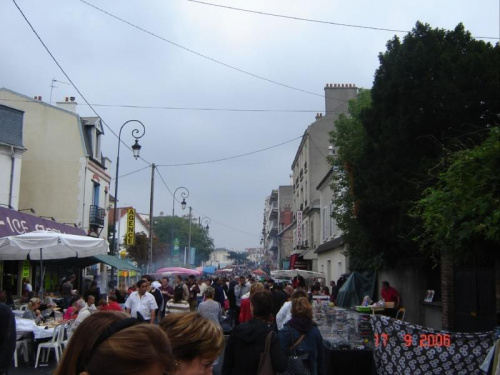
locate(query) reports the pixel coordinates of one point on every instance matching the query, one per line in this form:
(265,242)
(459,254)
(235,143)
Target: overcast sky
(170,63)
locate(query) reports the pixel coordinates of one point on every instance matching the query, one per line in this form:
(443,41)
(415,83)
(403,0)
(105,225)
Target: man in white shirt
(83,312)
(141,302)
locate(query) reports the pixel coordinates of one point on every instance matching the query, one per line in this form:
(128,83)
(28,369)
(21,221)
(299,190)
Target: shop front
(12,272)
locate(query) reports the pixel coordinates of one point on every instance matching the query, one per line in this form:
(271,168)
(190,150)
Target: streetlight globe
(136,148)
(183,203)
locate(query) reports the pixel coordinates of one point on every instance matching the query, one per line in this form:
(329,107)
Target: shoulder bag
(296,365)
(265,364)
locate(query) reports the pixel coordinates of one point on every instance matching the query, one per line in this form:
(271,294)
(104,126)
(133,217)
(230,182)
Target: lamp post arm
(136,133)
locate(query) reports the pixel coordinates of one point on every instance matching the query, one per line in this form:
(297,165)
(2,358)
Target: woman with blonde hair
(302,333)
(196,342)
(112,343)
(33,310)
(245,312)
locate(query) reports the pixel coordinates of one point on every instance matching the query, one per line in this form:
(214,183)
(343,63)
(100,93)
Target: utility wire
(201,214)
(69,79)
(313,20)
(193,108)
(200,54)
(230,157)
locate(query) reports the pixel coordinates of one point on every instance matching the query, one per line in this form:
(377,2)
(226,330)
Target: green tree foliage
(239,258)
(167,228)
(434,92)
(350,138)
(462,211)
(139,252)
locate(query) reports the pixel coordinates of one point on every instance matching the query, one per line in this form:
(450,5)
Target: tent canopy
(50,245)
(356,287)
(290,274)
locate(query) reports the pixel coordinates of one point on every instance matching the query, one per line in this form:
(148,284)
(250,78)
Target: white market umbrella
(40,245)
(292,273)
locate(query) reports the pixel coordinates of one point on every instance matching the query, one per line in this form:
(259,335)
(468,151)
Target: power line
(230,157)
(313,20)
(192,108)
(69,79)
(200,54)
(201,214)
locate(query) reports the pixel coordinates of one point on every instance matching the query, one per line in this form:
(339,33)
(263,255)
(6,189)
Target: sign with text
(13,222)
(299,228)
(130,236)
(192,256)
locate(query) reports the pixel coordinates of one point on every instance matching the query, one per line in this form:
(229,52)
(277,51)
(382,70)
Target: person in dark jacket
(7,334)
(248,340)
(312,342)
(219,292)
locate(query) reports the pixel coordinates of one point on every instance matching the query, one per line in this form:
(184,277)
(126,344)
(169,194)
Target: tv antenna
(52,86)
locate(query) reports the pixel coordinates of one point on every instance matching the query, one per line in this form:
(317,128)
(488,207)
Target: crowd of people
(180,326)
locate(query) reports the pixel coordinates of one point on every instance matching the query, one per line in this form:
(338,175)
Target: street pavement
(29,368)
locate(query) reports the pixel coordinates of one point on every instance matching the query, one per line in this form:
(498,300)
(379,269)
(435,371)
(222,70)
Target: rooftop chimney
(68,104)
(337,96)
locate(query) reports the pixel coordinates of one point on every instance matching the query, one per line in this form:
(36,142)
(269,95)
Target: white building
(11,151)
(219,258)
(331,260)
(309,168)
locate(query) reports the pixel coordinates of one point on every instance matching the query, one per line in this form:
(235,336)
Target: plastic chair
(22,345)
(54,343)
(65,335)
(401,314)
(23,307)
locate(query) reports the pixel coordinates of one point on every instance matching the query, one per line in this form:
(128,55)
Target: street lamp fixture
(184,194)
(206,222)
(136,148)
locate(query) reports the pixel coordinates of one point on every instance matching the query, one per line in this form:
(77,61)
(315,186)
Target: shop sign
(299,228)
(130,236)
(13,223)
(26,269)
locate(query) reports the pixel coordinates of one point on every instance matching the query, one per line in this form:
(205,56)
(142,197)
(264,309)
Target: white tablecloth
(28,325)
(18,313)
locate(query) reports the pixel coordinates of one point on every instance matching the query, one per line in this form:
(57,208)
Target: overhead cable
(313,20)
(202,55)
(230,157)
(69,79)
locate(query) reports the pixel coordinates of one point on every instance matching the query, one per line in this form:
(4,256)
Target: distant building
(254,254)
(219,258)
(309,167)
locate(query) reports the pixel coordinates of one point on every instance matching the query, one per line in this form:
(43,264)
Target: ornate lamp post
(184,194)
(206,222)
(136,148)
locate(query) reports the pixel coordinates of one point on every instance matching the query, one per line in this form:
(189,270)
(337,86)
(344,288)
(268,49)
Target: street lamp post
(206,222)
(136,148)
(184,194)
(189,236)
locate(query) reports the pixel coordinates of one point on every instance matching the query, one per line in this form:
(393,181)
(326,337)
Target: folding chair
(23,346)
(401,313)
(65,335)
(54,343)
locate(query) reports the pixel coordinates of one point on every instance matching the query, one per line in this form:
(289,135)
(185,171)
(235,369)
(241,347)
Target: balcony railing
(96,216)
